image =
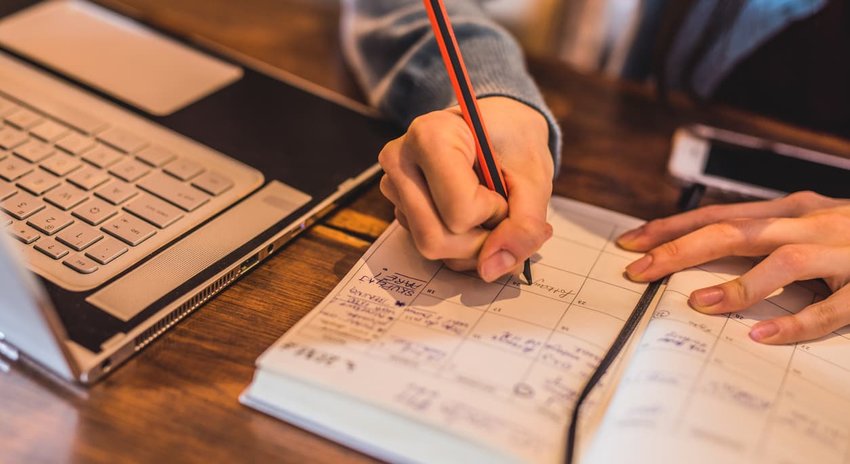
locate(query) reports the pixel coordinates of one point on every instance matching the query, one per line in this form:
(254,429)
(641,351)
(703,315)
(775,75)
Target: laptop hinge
(7,350)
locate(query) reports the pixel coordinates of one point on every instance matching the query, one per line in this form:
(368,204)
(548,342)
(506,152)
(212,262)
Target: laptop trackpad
(115,55)
(156,278)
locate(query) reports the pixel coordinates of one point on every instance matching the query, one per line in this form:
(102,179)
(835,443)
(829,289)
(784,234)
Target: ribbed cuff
(496,68)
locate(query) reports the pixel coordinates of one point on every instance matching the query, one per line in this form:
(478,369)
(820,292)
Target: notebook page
(498,364)
(699,390)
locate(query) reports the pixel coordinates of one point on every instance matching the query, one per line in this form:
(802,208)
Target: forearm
(392,51)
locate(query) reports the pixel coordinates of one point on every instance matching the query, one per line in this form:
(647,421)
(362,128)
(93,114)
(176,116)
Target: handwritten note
(498,363)
(699,390)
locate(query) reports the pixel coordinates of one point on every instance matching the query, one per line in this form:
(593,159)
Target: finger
(389,190)
(441,145)
(402,219)
(812,322)
(522,233)
(664,230)
(430,236)
(460,265)
(787,264)
(742,237)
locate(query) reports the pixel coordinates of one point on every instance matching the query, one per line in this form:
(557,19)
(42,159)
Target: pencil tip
(526,271)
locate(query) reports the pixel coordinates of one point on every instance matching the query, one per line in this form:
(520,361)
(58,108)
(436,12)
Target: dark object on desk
(753,166)
(488,166)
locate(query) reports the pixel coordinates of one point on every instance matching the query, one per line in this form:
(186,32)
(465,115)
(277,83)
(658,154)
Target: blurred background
(592,35)
(795,63)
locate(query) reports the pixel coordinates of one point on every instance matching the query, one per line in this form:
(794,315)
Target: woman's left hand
(803,236)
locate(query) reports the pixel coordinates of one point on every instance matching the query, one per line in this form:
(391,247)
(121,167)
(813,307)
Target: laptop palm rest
(116,56)
(129,295)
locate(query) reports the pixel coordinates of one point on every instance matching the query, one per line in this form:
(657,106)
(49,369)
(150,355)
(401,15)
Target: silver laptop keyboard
(98,199)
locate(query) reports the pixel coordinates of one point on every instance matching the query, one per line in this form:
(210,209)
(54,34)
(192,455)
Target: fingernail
(497,265)
(764,330)
(637,267)
(630,236)
(706,297)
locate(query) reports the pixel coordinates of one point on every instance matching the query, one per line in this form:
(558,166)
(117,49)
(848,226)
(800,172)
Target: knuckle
(536,231)
(456,218)
(727,230)
(793,258)
(388,156)
(824,317)
(805,200)
(440,129)
(739,291)
(384,185)
(669,249)
(429,242)
(793,326)
(436,125)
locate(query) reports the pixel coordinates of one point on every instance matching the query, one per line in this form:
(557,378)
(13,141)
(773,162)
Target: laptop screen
(27,320)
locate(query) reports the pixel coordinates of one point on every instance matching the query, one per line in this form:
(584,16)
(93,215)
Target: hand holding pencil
(431,178)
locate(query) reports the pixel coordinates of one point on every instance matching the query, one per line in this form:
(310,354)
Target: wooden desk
(177,401)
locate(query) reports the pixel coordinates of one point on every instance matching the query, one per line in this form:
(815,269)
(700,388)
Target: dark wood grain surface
(177,400)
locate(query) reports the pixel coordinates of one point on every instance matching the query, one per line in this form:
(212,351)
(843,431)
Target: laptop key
(23,232)
(13,167)
(22,205)
(79,236)
(130,170)
(117,192)
(52,248)
(102,156)
(95,211)
(123,140)
(38,182)
(34,151)
(106,250)
(49,131)
(155,156)
(154,210)
(129,229)
(7,106)
(88,178)
(11,137)
(66,196)
(212,183)
(24,118)
(183,169)
(81,264)
(50,220)
(61,164)
(170,189)
(75,143)
(7,190)
(5,220)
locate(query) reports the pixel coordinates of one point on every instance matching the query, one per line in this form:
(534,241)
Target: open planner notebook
(411,362)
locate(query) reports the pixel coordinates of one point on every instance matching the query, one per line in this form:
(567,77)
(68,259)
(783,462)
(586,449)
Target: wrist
(521,115)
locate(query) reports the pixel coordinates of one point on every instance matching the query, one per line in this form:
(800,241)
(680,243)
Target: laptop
(141,173)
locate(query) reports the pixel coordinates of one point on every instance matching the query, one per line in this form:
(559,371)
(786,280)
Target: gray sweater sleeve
(394,56)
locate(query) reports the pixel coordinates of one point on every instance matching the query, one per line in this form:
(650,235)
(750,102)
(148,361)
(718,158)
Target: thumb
(520,234)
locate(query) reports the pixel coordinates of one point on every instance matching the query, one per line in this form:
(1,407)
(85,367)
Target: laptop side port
(250,262)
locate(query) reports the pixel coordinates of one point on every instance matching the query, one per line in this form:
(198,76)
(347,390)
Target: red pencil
(488,165)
